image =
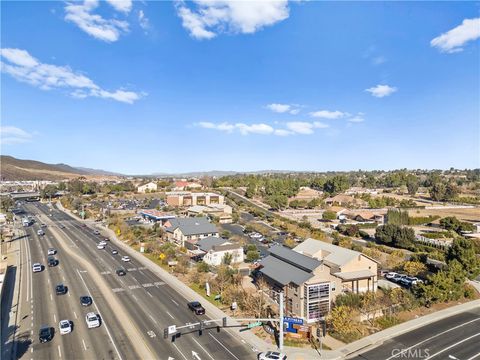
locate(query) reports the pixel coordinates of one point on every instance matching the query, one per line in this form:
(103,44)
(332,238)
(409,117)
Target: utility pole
(280,338)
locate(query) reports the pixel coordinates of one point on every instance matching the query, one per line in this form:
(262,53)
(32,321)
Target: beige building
(151,186)
(187,198)
(215,249)
(314,273)
(222,213)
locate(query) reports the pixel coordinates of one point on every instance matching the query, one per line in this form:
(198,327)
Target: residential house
(182,185)
(215,250)
(314,273)
(148,187)
(345,200)
(186,232)
(187,198)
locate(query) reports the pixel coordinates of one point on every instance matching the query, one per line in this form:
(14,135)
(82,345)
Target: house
(365,216)
(345,200)
(216,248)
(313,274)
(186,232)
(148,187)
(182,185)
(187,198)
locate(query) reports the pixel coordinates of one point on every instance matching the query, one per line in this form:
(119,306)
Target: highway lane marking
(174,302)
(59,351)
(142,268)
(151,317)
(51,297)
(84,346)
(159,283)
(134,297)
(453,345)
(430,338)
(118,290)
(75,314)
(48,280)
(474,356)
(206,352)
(214,338)
(104,322)
(105,273)
(170,315)
(54,318)
(132,269)
(132,287)
(176,347)
(147,285)
(149,294)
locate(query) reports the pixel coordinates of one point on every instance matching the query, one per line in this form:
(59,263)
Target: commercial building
(187,198)
(215,249)
(151,186)
(186,232)
(314,273)
(222,213)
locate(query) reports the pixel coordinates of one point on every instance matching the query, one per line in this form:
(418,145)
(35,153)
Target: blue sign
(292,320)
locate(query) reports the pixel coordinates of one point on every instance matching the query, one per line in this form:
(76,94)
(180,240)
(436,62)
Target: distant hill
(220,173)
(17,169)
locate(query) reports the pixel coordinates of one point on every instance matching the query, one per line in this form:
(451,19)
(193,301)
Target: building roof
(157,215)
(352,275)
(206,244)
(334,254)
(294,258)
(282,272)
(192,226)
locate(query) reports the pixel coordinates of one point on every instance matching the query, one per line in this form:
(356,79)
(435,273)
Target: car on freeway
(125,258)
(40,232)
(37,267)
(96,232)
(272,355)
(83,225)
(61,289)
(106,239)
(121,272)
(62,226)
(85,300)
(114,252)
(45,334)
(92,320)
(196,307)
(100,246)
(65,327)
(102,243)
(51,251)
(52,261)
(43,225)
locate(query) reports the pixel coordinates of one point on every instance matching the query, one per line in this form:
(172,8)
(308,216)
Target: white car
(106,239)
(40,232)
(65,327)
(125,258)
(37,267)
(92,320)
(102,243)
(51,252)
(100,247)
(271,355)
(390,275)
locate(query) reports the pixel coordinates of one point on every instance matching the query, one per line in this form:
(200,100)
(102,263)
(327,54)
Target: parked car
(272,355)
(85,300)
(398,278)
(121,272)
(61,289)
(65,327)
(196,307)
(92,320)
(390,275)
(125,258)
(37,267)
(45,334)
(51,251)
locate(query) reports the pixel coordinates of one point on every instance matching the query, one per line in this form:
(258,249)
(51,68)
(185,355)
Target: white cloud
(453,40)
(108,30)
(356,119)
(121,5)
(283,108)
(326,114)
(10,135)
(24,67)
(292,127)
(378,60)
(206,19)
(381,90)
(143,20)
(254,129)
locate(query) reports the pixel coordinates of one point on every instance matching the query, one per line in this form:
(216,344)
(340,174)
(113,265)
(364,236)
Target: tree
(277,202)
(438,191)
(336,184)
(203,267)
(329,215)
(227,258)
(451,191)
(414,268)
(289,242)
(412,184)
(226,234)
(340,319)
(252,255)
(463,251)
(395,235)
(251,190)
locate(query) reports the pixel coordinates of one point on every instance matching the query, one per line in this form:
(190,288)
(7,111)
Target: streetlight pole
(280,339)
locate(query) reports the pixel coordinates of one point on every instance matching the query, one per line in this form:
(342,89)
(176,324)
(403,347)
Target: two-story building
(186,232)
(151,186)
(215,249)
(314,273)
(187,198)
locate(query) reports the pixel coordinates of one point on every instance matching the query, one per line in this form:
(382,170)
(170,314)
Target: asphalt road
(151,304)
(455,338)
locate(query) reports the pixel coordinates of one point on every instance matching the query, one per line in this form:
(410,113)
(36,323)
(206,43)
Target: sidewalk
(258,344)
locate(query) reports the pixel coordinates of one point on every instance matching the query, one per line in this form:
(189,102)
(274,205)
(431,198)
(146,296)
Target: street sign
(161,256)
(293,320)
(255,324)
(172,329)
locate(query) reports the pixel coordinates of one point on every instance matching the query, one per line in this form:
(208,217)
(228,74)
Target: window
(317,301)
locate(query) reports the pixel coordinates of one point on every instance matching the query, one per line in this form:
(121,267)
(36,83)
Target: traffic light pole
(280,338)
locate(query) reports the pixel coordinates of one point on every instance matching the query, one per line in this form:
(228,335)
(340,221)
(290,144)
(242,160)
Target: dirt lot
(472,215)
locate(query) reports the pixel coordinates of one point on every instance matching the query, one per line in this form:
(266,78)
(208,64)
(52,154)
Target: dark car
(43,225)
(52,261)
(45,334)
(196,307)
(121,272)
(85,300)
(61,289)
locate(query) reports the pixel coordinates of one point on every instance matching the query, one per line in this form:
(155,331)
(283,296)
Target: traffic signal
(200,330)
(218,329)
(224,321)
(165,333)
(318,332)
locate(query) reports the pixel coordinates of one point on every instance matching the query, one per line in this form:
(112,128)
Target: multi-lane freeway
(455,338)
(134,309)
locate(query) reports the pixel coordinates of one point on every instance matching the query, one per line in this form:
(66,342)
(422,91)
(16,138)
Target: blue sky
(142,87)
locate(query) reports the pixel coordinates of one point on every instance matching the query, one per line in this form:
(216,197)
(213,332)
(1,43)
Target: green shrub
(385,322)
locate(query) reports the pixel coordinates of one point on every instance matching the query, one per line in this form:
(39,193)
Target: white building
(216,248)
(151,186)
